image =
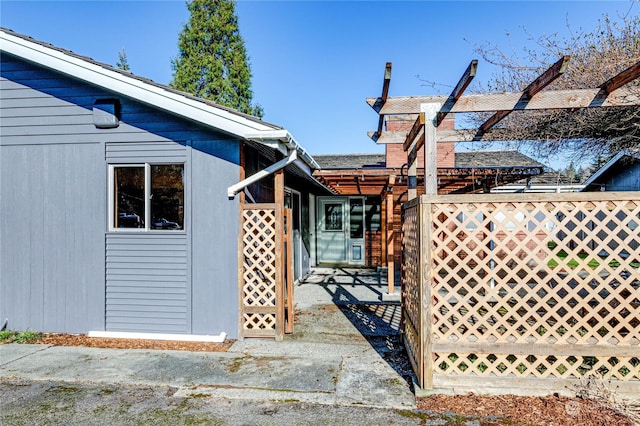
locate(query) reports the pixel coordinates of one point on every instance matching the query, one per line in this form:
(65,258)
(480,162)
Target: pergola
(429,113)
(451,180)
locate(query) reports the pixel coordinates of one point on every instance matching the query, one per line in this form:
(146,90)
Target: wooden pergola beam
(379,103)
(622,78)
(417,127)
(548,99)
(543,80)
(462,85)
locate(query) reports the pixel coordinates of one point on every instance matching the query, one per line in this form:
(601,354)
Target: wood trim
(279,202)
(523,386)
(549,99)
(289,258)
(385,93)
(536,349)
(543,80)
(462,85)
(383,226)
(417,127)
(530,197)
(426,305)
(622,78)
(390,235)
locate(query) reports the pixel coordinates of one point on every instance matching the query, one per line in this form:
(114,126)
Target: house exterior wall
(52,237)
(61,269)
(624,177)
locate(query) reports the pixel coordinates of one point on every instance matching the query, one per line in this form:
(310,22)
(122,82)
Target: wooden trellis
(262,272)
(525,295)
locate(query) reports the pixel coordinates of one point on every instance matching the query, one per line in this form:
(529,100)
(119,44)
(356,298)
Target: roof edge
(109,78)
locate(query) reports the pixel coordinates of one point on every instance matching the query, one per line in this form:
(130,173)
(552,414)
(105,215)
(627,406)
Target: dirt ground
(101,342)
(515,410)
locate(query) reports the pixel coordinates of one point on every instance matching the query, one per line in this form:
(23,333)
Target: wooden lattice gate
(266,295)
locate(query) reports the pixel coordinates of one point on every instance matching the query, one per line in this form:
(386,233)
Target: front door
(332,238)
(341,230)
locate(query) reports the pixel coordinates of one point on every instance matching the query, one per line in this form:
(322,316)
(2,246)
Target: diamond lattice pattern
(259,266)
(537,274)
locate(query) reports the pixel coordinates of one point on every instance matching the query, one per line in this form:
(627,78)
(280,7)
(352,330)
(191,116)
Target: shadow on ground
(354,294)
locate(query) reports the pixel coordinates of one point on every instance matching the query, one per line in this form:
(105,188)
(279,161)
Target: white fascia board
(283,137)
(131,87)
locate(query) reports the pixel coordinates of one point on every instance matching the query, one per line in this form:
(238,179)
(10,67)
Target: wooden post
(430,148)
(391,276)
(279,201)
(289,317)
(430,189)
(383,226)
(426,311)
(412,144)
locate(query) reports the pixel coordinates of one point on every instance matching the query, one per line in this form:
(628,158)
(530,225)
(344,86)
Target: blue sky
(315,63)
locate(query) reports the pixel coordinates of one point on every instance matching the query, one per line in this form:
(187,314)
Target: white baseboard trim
(158,336)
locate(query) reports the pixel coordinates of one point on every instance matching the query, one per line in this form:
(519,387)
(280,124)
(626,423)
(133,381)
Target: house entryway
(341,237)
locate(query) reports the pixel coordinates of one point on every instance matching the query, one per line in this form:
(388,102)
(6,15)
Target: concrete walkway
(345,350)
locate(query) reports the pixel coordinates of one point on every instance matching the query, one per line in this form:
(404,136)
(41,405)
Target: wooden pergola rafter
(543,80)
(611,93)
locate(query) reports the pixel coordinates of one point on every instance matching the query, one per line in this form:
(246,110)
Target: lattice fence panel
(563,272)
(260,269)
(554,272)
(542,366)
(411,307)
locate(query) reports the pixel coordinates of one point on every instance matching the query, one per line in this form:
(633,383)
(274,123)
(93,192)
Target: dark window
(148,196)
(129,197)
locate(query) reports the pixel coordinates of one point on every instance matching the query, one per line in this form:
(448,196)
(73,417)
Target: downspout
(233,190)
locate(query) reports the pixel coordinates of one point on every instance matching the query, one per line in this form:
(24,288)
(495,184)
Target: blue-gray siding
(627,178)
(147,273)
(51,234)
(147,283)
(61,270)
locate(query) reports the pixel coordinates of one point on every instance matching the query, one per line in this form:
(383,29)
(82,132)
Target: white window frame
(147,198)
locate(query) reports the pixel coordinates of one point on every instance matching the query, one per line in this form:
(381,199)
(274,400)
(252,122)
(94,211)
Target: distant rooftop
(465,159)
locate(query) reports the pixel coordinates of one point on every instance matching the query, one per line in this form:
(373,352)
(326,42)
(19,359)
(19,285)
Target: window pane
(357,218)
(129,197)
(167,196)
(333,217)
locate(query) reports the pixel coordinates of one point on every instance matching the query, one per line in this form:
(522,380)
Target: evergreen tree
(212,61)
(122,63)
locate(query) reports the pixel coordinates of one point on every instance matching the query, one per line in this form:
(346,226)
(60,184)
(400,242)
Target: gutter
(234,189)
(284,142)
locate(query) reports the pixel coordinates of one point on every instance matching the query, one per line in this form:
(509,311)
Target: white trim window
(146,197)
